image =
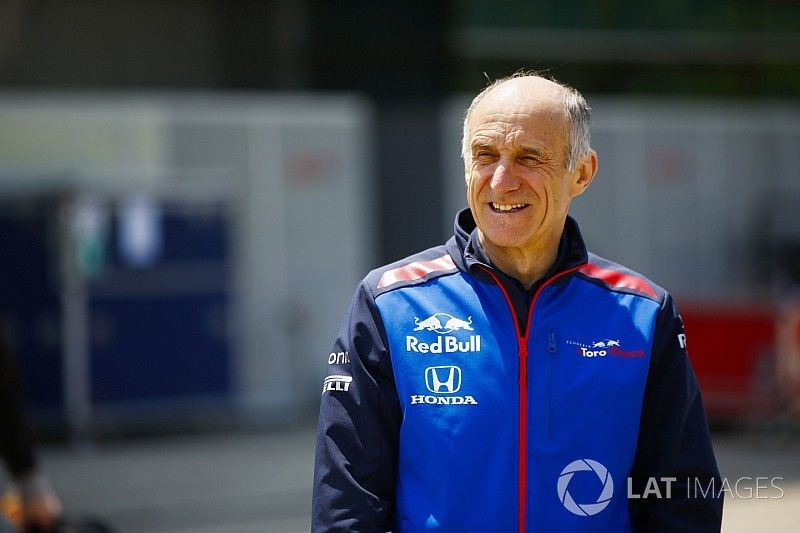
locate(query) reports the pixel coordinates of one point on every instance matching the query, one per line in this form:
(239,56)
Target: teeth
(506,207)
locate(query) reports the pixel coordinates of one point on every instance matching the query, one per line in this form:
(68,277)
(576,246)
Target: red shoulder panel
(415,270)
(619,279)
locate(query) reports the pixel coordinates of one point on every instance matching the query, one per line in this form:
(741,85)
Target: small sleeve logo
(334,383)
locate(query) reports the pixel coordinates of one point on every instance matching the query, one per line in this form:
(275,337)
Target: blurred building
(226,171)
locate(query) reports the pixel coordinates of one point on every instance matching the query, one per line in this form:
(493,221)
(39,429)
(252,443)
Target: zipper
(522,351)
(548,378)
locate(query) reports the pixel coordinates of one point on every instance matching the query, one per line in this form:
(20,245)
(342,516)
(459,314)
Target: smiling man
(521,175)
(509,379)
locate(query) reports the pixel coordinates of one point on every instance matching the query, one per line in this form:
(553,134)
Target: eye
(484,155)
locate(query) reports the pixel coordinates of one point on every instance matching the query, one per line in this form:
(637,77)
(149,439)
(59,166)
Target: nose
(504,178)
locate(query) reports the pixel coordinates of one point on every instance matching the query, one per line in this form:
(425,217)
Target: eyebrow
(481,144)
(537,152)
(530,150)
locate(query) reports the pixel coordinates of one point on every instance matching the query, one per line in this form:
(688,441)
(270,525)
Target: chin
(504,240)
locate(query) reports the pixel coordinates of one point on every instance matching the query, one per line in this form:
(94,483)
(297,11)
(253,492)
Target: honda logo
(443,379)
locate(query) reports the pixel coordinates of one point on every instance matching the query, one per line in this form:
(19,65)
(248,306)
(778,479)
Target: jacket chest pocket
(582,388)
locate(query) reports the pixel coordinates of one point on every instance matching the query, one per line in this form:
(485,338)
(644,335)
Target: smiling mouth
(506,208)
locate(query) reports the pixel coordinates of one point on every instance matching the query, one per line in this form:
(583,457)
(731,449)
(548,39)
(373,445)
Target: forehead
(513,112)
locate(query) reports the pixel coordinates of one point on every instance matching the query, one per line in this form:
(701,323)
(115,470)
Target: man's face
(518,186)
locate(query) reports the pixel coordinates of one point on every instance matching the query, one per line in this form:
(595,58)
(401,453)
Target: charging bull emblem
(443,323)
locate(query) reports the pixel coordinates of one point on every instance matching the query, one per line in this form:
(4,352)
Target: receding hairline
(558,92)
(526,83)
(571,103)
(549,92)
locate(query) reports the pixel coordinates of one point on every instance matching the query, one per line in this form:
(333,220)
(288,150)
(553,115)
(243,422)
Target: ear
(584,174)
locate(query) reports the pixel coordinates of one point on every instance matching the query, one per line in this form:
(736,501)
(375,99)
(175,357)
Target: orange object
(11,508)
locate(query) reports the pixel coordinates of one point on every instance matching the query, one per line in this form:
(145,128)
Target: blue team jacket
(458,401)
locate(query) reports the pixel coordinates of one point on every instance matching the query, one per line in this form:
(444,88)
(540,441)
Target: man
(510,380)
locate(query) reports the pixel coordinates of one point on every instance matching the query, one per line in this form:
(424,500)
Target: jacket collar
(469,256)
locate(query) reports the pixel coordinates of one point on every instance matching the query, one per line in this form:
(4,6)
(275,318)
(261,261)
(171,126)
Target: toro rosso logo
(602,348)
(606,343)
(443,323)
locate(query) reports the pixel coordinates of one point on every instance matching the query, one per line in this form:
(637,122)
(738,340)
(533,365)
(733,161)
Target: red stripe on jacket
(619,280)
(416,270)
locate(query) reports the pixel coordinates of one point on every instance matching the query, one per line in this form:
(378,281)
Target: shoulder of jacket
(412,270)
(618,278)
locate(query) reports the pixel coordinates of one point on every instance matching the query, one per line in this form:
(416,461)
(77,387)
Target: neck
(525,265)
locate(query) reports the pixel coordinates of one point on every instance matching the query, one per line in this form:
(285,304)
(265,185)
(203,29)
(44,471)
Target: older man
(510,380)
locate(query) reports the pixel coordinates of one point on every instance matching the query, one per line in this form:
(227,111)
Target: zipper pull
(551,341)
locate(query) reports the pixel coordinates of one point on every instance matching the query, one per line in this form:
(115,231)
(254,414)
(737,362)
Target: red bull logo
(444,344)
(443,323)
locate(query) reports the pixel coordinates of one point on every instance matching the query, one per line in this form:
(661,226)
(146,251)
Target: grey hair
(577,111)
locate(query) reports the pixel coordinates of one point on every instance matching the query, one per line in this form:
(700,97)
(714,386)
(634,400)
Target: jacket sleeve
(674,442)
(357,435)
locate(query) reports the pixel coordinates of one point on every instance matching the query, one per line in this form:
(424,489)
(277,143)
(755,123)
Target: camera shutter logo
(585,509)
(443,379)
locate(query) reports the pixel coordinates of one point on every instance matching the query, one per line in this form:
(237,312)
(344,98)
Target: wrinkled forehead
(522,102)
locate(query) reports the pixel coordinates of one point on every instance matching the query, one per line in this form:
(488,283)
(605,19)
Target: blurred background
(190,191)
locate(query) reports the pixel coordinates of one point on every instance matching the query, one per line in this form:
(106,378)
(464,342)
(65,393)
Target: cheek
(471,192)
(473,185)
(559,194)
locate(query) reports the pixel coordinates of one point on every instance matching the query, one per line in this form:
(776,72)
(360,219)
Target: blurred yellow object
(11,507)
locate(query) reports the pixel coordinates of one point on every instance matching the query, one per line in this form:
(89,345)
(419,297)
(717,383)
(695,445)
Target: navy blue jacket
(458,400)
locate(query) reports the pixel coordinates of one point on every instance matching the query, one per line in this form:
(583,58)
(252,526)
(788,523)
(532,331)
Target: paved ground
(765,456)
(260,482)
(231,483)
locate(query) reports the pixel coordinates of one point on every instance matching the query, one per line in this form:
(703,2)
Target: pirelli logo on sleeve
(336,383)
